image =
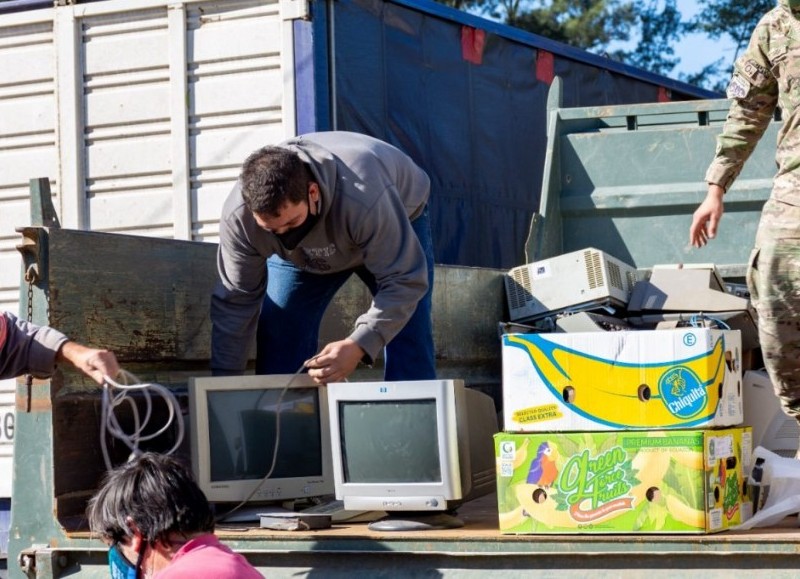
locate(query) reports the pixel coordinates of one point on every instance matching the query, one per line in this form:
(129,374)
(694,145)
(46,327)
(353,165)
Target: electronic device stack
(622,400)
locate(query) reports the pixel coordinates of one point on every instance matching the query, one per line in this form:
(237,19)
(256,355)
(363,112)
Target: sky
(696,51)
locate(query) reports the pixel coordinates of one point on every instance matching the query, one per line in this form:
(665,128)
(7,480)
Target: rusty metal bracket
(27,559)
(31,255)
(43,214)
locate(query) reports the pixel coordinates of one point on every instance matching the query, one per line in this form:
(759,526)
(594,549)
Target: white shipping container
(7,391)
(140,113)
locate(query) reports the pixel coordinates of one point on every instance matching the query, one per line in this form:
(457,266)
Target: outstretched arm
(94,363)
(706,218)
(27,348)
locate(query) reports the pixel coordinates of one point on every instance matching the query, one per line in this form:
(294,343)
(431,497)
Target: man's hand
(94,363)
(335,362)
(707,216)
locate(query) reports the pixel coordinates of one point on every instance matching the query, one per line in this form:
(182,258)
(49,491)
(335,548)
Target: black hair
(157,493)
(271,177)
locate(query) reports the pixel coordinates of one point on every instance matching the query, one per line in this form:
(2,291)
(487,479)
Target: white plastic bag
(777,494)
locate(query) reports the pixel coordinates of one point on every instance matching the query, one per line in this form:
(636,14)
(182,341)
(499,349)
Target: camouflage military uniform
(767,75)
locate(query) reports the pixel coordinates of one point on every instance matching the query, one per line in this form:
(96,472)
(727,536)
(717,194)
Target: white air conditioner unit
(772,428)
(572,281)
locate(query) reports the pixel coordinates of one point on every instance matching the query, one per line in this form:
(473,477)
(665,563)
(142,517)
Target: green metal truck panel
(626,180)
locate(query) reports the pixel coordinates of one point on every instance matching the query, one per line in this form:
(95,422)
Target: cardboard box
(667,481)
(649,379)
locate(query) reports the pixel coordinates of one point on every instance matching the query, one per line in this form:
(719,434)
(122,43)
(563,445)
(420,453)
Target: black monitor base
(402,522)
(248,513)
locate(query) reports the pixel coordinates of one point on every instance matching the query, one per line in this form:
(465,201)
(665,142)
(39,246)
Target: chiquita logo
(682,392)
(596,487)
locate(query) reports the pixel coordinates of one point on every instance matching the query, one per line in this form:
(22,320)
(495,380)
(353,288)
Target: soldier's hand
(706,217)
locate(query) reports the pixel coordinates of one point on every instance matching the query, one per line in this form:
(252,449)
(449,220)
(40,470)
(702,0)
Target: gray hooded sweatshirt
(27,348)
(371,191)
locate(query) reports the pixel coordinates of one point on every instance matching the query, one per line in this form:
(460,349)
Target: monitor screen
(402,446)
(242,431)
(236,423)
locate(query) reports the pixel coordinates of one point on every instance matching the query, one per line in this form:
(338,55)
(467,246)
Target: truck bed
(348,550)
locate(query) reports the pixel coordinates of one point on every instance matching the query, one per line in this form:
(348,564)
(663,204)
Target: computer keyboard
(339,514)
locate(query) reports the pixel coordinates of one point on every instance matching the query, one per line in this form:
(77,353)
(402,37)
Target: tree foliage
(642,33)
(589,24)
(734,19)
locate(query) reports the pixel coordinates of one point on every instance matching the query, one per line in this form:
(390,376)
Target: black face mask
(295,235)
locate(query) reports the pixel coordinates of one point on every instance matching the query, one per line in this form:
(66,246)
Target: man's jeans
(288,329)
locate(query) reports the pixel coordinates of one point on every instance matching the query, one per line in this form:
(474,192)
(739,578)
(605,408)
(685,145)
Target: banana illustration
(512,519)
(522,453)
(688,458)
(650,467)
(687,515)
(653,466)
(545,511)
(610,392)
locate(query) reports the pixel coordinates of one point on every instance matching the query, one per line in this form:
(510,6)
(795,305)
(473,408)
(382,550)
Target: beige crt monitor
(411,449)
(236,423)
(569,282)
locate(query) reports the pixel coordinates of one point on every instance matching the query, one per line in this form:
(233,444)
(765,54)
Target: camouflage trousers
(773,278)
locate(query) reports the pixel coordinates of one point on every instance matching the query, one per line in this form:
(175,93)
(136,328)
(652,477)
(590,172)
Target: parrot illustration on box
(543,469)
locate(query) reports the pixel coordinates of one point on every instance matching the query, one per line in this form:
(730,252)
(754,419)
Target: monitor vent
(483,480)
(594,269)
(785,453)
(788,429)
(615,276)
(631,277)
(520,287)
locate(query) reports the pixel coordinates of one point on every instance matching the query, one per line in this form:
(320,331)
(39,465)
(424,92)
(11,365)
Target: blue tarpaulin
(466,98)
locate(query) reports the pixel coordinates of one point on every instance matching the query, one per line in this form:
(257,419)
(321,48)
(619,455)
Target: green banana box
(665,481)
(648,379)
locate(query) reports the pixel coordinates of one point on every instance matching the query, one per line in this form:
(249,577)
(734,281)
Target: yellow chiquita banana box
(657,481)
(648,379)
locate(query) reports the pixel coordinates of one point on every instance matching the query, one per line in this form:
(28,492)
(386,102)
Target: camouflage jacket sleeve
(754,93)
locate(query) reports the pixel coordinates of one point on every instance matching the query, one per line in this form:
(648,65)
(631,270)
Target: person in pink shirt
(158,524)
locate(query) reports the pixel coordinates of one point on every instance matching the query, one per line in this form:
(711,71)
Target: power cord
(110,424)
(222,517)
(699,321)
